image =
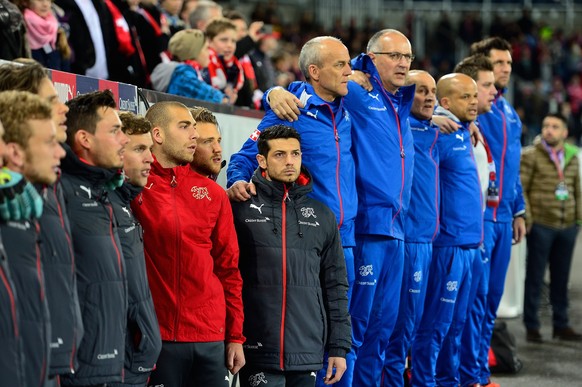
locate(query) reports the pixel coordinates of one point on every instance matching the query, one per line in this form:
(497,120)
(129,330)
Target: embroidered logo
(86,189)
(258,208)
(417,276)
(314,115)
(459,136)
(126,211)
(200,193)
(366,270)
(255,380)
(376,97)
(255,135)
(452,286)
(313,375)
(308,212)
(149,186)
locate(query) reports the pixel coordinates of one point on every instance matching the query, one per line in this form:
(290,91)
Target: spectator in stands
(187,7)
(551,182)
(204,12)
(33,151)
(142,341)
(12,32)
(192,262)
(48,42)
(224,70)
(261,58)
(183,76)
(171,10)
(91,170)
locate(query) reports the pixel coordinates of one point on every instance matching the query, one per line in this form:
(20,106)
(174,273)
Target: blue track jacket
(422,220)
(326,144)
(383,152)
(461,205)
(502,130)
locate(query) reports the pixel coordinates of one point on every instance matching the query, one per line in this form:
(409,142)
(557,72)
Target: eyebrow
(185,122)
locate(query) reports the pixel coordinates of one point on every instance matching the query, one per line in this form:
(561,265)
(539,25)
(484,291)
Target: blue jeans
(548,245)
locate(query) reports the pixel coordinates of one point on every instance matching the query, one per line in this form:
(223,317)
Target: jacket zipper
(110,210)
(173,184)
(42,295)
(436,196)
(502,164)
(284,279)
(72,254)
(337,168)
(12,300)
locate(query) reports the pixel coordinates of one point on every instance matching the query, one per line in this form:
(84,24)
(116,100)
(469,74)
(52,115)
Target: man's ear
(14,156)
(83,139)
(262,161)
(157,135)
(313,72)
(445,103)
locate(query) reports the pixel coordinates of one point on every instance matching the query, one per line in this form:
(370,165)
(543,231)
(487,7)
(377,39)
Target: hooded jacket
(11,356)
(61,281)
(21,241)
(326,145)
(294,275)
(461,205)
(143,341)
(422,221)
(101,278)
(540,179)
(502,130)
(191,255)
(383,150)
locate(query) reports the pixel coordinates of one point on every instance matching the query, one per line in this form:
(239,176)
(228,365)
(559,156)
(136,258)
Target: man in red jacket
(191,254)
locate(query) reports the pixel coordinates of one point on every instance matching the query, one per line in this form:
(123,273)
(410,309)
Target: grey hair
(310,54)
(373,42)
(202,12)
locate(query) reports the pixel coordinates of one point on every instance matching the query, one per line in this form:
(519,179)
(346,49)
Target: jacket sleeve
(526,175)
(242,164)
(185,82)
(578,195)
(334,283)
(225,252)
(519,202)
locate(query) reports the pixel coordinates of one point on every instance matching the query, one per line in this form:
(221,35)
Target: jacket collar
(306,94)
(97,176)
(301,187)
(128,191)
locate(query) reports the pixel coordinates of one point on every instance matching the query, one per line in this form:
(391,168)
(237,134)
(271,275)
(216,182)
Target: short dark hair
(133,124)
(473,64)
(272,133)
(22,77)
(83,112)
(203,115)
(486,45)
(559,116)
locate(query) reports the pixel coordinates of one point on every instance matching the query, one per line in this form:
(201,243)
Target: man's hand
(241,191)
(362,79)
(235,357)
(255,30)
(446,125)
(339,363)
(518,229)
(284,104)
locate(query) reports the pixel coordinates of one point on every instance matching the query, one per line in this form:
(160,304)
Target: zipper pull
(402,154)
(173,183)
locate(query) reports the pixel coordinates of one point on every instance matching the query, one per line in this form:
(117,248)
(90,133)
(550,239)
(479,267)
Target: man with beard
(208,156)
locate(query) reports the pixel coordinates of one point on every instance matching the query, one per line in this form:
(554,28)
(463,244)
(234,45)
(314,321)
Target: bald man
(421,226)
(461,229)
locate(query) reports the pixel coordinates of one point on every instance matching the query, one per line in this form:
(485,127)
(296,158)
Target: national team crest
(255,135)
(308,212)
(200,193)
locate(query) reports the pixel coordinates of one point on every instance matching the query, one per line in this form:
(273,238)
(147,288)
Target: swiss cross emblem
(255,135)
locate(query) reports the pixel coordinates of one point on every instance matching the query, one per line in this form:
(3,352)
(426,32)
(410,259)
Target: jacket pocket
(144,341)
(104,318)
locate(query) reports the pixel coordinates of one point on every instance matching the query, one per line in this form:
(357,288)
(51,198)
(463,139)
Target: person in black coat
(294,272)
(143,340)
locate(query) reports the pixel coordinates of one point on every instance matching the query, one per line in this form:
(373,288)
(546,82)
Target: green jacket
(539,178)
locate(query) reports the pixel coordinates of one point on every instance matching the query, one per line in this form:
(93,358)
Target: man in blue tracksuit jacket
(461,230)
(384,155)
(421,227)
(502,129)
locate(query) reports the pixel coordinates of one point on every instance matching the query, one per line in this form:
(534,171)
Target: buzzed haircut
(133,124)
(159,114)
(84,112)
(23,77)
(559,116)
(217,26)
(473,64)
(201,114)
(17,108)
(373,42)
(486,45)
(412,73)
(311,54)
(273,133)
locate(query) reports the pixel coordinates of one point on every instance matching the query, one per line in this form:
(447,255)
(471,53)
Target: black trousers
(191,365)
(250,376)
